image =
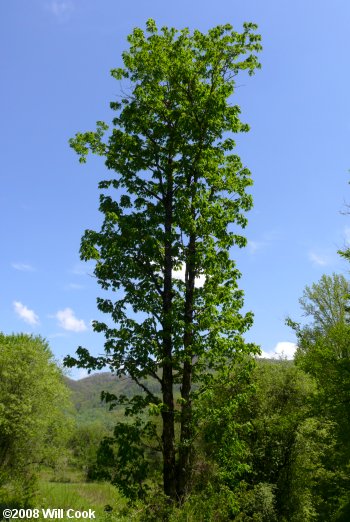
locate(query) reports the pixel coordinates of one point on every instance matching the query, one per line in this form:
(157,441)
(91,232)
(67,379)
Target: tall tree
(172,205)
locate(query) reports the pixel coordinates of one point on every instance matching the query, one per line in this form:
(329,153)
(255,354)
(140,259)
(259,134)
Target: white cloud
(283,350)
(319,259)
(22,267)
(68,321)
(60,8)
(76,373)
(265,355)
(180,274)
(29,316)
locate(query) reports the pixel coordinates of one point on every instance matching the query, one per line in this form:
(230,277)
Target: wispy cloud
(61,9)
(282,350)
(76,373)
(254,246)
(23,267)
(83,269)
(319,259)
(347,235)
(57,335)
(74,286)
(68,321)
(265,241)
(29,316)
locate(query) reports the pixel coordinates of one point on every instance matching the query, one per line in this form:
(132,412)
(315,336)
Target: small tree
(326,301)
(172,206)
(33,404)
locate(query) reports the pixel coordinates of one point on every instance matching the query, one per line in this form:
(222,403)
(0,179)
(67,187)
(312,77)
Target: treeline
(273,440)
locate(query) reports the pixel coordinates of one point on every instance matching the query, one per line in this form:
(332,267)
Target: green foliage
(326,301)
(84,444)
(310,475)
(277,411)
(323,352)
(224,426)
(257,503)
(175,199)
(262,445)
(33,403)
(128,459)
(215,502)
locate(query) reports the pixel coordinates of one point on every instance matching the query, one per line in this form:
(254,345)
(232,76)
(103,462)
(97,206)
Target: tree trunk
(184,467)
(168,435)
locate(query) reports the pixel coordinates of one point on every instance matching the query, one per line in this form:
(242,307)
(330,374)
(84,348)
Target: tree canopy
(326,301)
(174,202)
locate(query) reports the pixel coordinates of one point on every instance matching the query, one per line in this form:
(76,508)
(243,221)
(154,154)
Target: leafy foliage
(175,200)
(33,403)
(326,301)
(323,352)
(262,450)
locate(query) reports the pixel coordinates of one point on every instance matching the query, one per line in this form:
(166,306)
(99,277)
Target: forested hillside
(86,396)
(87,401)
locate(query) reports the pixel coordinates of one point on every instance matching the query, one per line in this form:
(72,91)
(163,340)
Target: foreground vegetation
(279,452)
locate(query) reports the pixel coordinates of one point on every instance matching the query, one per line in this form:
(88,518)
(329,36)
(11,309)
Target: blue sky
(55,61)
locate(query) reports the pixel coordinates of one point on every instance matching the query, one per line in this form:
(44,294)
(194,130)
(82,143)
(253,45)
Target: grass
(80,497)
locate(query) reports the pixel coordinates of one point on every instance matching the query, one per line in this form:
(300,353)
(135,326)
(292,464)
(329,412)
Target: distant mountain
(86,396)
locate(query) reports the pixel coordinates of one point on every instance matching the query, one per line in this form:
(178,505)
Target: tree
(326,301)
(33,401)
(323,345)
(323,352)
(172,203)
(84,443)
(277,414)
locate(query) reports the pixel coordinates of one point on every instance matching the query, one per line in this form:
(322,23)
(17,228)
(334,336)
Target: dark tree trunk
(168,435)
(184,468)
